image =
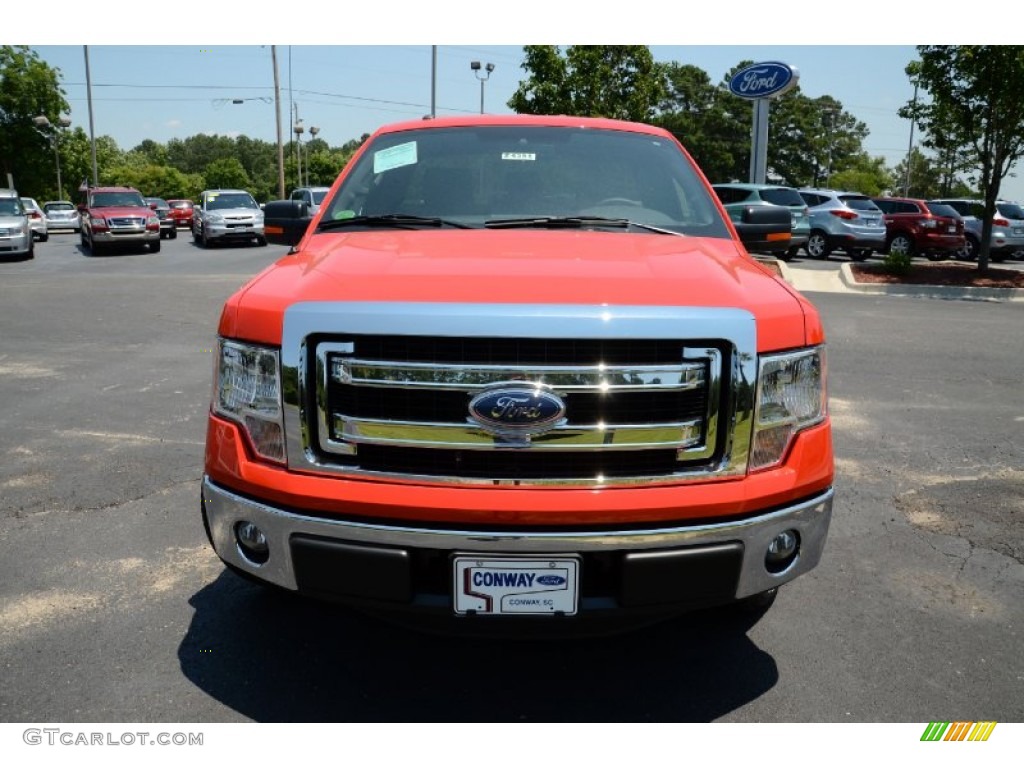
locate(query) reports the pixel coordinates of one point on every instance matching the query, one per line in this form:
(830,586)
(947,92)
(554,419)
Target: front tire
(860,254)
(261,241)
(817,245)
(172,235)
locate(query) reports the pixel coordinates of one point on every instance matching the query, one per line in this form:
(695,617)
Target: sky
(378,70)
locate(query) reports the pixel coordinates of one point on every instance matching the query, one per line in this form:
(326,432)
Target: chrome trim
(565,437)
(735,327)
(810,519)
(564,378)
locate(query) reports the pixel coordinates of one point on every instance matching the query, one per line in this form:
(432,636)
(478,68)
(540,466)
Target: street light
(298,129)
(42,122)
(313,131)
(486,70)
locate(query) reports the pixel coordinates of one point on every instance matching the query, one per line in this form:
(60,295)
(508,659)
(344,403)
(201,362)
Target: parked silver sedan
(61,214)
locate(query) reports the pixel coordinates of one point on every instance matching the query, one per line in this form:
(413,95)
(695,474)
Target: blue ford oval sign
(551,580)
(519,408)
(764,80)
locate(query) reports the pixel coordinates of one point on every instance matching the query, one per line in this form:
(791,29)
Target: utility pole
(92,129)
(277,109)
(910,148)
(433,81)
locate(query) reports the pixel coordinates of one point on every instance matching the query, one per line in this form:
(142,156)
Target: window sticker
(345,214)
(395,157)
(528,156)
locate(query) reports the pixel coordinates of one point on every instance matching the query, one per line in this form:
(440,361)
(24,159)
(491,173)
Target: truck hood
(521,267)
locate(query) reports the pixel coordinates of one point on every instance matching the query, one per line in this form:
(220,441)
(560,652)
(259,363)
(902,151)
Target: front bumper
(224,232)
(15,244)
(405,566)
(127,237)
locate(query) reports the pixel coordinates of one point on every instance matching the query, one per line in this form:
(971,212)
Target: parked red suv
(916,227)
(181,213)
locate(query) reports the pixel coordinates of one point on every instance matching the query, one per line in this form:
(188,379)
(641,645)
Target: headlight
(791,396)
(214,218)
(248,391)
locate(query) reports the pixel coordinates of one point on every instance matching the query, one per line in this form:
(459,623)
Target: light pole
(42,122)
(313,131)
(486,69)
(298,129)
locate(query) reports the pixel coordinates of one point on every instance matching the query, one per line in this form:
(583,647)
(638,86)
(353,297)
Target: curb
(932,291)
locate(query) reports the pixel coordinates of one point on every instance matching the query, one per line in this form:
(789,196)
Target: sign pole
(759,143)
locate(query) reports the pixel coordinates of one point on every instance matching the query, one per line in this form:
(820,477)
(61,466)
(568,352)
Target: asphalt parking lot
(114,608)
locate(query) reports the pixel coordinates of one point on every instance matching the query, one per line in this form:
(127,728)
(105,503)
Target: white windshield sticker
(395,157)
(518,156)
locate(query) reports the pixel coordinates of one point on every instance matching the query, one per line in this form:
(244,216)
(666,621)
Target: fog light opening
(782,551)
(252,542)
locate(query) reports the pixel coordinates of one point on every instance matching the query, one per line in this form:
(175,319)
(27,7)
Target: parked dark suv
(915,227)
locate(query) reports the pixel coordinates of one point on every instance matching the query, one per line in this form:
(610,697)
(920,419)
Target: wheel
(781,255)
(970,250)
(793,252)
(860,254)
(203,239)
(901,245)
(195,235)
(997,256)
(817,245)
(261,241)
(44,238)
(154,247)
(172,235)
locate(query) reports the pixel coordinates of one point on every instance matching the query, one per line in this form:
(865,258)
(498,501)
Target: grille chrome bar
(722,342)
(593,378)
(561,438)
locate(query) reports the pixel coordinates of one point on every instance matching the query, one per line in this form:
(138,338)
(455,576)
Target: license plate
(952,230)
(1018,230)
(509,585)
(873,222)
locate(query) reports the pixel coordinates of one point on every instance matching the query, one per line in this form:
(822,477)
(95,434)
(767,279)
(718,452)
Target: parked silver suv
(15,231)
(311,196)
(226,215)
(845,221)
(1007,227)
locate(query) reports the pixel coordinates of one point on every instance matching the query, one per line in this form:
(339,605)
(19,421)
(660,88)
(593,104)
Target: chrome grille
(637,409)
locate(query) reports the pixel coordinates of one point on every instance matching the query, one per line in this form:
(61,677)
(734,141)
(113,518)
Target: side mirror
(153,206)
(765,227)
(285,221)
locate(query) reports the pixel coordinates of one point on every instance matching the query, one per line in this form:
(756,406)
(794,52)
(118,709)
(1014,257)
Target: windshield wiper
(554,222)
(578,222)
(399,220)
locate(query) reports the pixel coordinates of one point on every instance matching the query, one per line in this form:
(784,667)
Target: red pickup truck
(520,370)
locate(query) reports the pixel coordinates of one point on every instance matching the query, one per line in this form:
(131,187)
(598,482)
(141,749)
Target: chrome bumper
(810,519)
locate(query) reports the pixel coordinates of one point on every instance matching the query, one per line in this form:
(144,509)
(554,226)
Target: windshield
(181,204)
(478,174)
(230,200)
(860,203)
(10,206)
(115,199)
(1010,210)
(938,209)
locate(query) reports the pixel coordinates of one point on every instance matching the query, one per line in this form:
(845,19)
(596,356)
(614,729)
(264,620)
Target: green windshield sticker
(395,157)
(346,214)
(518,156)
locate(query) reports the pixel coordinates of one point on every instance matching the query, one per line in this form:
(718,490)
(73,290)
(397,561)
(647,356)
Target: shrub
(897,263)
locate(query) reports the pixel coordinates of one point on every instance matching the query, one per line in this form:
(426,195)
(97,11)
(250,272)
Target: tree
(616,81)
(975,104)
(226,173)
(28,88)
(711,123)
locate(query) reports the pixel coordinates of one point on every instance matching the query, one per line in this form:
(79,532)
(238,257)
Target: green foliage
(155,180)
(974,113)
(897,263)
(616,81)
(226,173)
(28,88)
(863,174)
(809,141)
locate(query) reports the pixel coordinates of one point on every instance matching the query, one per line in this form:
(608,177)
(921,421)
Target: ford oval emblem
(764,80)
(550,580)
(518,407)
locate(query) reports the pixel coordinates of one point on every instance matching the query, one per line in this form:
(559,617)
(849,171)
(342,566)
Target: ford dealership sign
(764,80)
